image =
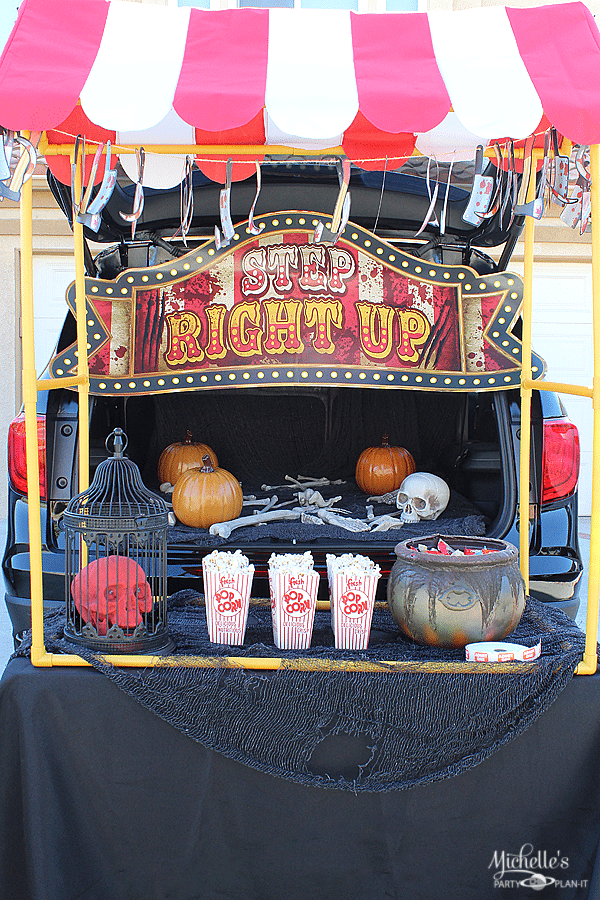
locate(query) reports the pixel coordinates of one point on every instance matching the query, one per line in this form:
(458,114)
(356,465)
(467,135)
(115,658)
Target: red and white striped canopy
(374,83)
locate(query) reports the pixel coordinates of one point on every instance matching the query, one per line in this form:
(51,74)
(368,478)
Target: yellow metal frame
(39,655)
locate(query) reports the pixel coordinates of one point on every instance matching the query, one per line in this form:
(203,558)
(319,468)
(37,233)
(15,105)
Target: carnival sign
(279,308)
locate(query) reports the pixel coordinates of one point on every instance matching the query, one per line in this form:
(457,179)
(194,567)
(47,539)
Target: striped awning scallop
(376,84)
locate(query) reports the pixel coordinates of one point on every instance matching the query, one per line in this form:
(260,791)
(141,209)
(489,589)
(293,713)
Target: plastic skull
(422,496)
(112,591)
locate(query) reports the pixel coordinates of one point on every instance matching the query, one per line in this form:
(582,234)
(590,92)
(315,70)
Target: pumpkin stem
(208,466)
(385,441)
(188,437)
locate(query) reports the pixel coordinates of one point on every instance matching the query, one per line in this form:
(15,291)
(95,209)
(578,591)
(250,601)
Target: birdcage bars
(116,560)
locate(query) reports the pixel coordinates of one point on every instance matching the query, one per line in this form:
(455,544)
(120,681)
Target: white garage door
(562,335)
(51,277)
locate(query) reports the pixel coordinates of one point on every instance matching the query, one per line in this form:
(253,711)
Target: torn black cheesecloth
(355,731)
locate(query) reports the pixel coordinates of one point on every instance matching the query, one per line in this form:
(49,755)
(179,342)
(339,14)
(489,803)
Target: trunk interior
(262,436)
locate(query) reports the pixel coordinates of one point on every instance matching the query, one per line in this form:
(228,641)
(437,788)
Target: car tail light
(560,464)
(17,465)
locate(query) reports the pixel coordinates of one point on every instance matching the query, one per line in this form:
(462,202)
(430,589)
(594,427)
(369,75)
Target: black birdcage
(116,560)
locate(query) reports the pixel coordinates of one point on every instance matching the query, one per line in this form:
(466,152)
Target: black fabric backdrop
(102,800)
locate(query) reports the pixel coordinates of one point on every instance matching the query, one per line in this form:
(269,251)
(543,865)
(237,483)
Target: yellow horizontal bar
(251,150)
(49,384)
(557,387)
(272,663)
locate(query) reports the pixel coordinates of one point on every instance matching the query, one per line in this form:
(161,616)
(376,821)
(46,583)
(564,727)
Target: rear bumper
(560,590)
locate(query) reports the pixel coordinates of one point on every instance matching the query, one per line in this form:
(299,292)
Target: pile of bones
(421,496)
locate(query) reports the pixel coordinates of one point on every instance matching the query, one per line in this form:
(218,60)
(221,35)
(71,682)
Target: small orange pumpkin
(177,458)
(383,469)
(207,495)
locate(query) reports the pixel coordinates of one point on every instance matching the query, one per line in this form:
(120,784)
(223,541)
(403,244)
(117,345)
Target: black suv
(264,433)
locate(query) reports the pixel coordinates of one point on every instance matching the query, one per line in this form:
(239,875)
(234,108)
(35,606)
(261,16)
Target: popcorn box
(227,596)
(293,602)
(352,589)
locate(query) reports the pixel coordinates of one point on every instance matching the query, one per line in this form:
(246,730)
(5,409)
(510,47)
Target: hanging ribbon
(6,145)
(535,207)
(10,187)
(558,180)
(91,218)
(341,212)
(512,184)
(223,239)
(433,195)
(251,226)
(89,213)
(138,200)
(186,200)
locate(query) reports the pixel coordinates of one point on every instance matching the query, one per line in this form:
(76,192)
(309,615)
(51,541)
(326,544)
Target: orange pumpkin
(383,469)
(207,495)
(178,458)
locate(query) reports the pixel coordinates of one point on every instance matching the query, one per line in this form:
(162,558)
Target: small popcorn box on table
(293,585)
(352,588)
(227,586)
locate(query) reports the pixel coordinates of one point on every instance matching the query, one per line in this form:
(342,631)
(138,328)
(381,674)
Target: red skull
(112,590)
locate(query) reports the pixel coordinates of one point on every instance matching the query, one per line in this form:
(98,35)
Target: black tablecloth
(102,800)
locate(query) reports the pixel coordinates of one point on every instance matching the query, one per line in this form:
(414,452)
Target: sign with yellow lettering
(279,309)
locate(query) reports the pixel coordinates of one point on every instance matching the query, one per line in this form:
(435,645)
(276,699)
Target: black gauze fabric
(459,518)
(408,728)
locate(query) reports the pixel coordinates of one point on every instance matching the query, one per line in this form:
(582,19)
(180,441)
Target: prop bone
(343,522)
(390,498)
(384,523)
(224,529)
(315,498)
(302,481)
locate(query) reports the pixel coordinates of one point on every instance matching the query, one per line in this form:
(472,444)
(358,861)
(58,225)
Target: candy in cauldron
(454,600)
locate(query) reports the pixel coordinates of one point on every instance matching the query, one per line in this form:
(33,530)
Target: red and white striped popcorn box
(293,604)
(352,599)
(227,597)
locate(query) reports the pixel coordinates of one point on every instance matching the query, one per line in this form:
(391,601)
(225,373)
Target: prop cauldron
(451,601)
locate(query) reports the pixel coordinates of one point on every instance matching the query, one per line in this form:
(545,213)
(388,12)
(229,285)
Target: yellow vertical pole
(524,467)
(31,432)
(590,657)
(82,357)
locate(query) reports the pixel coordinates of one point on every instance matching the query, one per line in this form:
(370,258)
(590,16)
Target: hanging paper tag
(481,192)
(479,200)
(586,211)
(560,180)
(571,214)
